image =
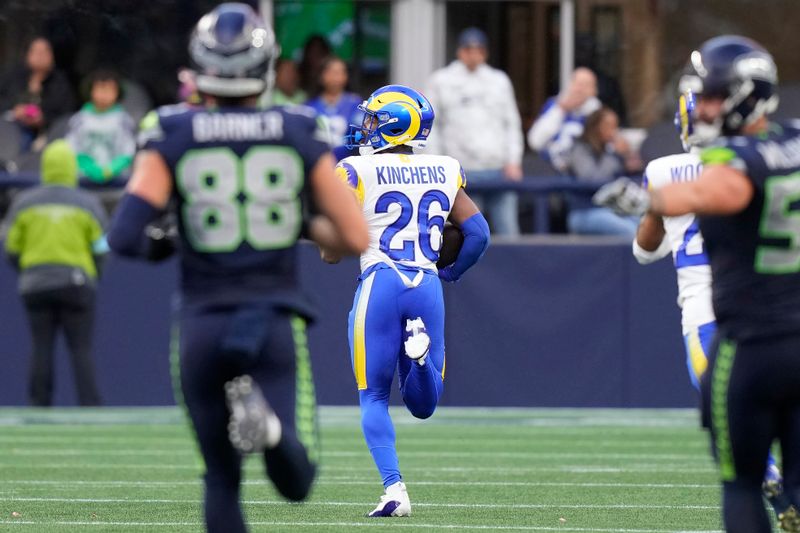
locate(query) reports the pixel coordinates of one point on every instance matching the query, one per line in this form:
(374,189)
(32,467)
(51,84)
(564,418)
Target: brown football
(452,239)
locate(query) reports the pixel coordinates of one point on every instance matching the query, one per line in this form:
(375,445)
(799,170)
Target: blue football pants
(376,323)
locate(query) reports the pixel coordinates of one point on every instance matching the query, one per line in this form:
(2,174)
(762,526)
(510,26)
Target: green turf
(483,469)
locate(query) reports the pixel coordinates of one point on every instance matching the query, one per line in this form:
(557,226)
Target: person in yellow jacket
(55,240)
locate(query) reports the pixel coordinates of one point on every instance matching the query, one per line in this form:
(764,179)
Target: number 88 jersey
(686,242)
(239,187)
(406,199)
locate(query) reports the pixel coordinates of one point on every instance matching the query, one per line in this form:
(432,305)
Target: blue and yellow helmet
(394,115)
(684,120)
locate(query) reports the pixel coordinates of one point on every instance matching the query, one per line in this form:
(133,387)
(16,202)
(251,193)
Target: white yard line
(376,523)
(354,481)
(256,465)
(77,452)
(13,499)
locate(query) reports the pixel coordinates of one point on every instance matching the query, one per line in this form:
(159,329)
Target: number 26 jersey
(406,199)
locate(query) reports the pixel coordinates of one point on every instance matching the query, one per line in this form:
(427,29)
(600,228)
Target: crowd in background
(46,134)
(477,122)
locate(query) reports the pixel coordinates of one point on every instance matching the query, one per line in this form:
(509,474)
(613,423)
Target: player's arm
(146,196)
(345,230)
(650,244)
(720,190)
(466,215)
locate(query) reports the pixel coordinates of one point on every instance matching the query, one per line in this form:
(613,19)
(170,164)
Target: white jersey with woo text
(683,233)
(406,199)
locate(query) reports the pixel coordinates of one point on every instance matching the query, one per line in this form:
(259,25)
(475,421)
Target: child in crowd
(102,133)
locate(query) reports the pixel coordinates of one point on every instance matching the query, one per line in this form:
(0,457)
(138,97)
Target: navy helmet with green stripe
(738,70)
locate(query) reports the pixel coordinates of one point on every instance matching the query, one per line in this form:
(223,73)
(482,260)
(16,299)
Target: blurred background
(553,316)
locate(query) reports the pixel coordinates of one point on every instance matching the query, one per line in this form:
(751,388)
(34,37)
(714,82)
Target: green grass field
(466,469)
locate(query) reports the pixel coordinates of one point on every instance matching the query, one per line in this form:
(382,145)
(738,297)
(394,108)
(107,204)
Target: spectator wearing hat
(55,240)
(478,123)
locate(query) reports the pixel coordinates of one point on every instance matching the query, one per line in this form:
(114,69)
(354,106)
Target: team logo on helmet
(394,115)
(738,70)
(233,51)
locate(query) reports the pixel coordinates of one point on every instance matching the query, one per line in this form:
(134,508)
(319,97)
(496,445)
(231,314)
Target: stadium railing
(538,188)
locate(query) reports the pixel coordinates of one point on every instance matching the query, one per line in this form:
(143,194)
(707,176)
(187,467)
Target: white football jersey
(688,248)
(406,199)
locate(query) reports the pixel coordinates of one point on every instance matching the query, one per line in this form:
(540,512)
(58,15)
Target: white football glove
(623,196)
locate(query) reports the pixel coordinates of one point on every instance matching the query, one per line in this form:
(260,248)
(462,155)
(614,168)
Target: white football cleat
(253,426)
(394,502)
(418,342)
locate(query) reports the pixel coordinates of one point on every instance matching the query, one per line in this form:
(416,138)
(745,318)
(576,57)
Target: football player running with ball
(397,320)
(238,177)
(746,200)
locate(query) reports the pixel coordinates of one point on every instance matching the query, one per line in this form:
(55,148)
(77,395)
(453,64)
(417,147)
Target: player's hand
(329,256)
(162,236)
(447,274)
(624,197)
(570,100)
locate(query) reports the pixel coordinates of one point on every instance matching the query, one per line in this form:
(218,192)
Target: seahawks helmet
(233,52)
(741,72)
(394,115)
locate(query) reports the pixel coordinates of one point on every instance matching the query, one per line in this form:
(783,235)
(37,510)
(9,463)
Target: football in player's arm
(397,319)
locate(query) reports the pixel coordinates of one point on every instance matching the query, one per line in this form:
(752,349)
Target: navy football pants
(751,396)
(218,344)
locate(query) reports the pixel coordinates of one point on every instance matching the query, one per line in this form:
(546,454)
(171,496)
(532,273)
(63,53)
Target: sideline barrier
(562,322)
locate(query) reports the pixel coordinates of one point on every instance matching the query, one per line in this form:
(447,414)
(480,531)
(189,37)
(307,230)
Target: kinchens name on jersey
(406,199)
(685,241)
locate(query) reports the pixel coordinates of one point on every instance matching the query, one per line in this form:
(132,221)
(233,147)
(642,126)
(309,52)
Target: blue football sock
(422,389)
(379,434)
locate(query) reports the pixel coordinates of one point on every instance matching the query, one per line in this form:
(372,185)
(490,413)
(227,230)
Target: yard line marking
(530,441)
(367,504)
(352,481)
(374,523)
(66,452)
(569,469)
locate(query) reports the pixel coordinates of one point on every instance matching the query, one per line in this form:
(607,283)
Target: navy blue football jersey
(755,254)
(239,187)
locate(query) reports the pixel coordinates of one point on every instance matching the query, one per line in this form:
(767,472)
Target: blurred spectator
(36,93)
(478,123)
(55,239)
(315,52)
(102,133)
(332,100)
(561,120)
(599,156)
(287,86)
(187,88)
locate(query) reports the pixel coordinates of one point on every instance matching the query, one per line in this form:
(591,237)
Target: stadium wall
(532,325)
